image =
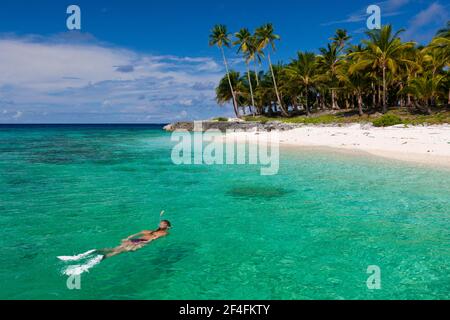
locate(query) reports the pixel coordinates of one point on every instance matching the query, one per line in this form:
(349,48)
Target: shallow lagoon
(309,232)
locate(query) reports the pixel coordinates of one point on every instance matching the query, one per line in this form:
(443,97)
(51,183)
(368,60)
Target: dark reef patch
(250,192)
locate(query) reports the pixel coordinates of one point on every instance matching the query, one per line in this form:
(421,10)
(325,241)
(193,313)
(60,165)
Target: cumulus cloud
(72,82)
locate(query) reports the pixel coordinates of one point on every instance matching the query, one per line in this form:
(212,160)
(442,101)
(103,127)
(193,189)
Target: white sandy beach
(421,144)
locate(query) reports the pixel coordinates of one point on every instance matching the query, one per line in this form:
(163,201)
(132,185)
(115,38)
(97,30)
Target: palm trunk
(360,110)
(283,111)
(429,102)
(409,104)
(308,113)
(448,102)
(334,104)
(256,74)
(235,105)
(251,86)
(332,99)
(379,95)
(384,90)
(374,96)
(402,97)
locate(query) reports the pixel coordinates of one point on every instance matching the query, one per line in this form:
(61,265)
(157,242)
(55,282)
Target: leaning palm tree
(219,37)
(265,36)
(245,44)
(384,52)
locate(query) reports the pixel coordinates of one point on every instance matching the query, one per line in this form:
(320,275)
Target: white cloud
(389,8)
(62,80)
(186,102)
(431,18)
(51,67)
(391,5)
(17,115)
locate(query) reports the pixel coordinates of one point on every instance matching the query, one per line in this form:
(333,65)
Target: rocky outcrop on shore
(234,126)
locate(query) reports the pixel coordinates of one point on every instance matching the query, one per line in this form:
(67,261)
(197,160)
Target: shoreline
(438,162)
(429,145)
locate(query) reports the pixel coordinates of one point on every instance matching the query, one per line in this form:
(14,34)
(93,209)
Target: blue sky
(149,61)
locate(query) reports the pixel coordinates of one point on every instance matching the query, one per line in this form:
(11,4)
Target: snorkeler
(139,240)
(132,243)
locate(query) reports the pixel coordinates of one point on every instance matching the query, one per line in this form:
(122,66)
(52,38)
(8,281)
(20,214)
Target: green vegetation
(344,82)
(393,117)
(387,120)
(221,119)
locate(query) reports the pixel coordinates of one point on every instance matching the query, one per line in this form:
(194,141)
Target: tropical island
(382,75)
(339,97)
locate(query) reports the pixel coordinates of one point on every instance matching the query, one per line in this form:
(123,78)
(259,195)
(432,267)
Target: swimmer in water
(132,243)
(137,241)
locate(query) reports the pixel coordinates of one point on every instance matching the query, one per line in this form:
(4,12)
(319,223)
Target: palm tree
(356,82)
(444,32)
(265,36)
(245,92)
(265,93)
(303,71)
(246,44)
(438,53)
(224,91)
(341,38)
(437,56)
(373,74)
(329,60)
(384,52)
(219,37)
(427,88)
(447,85)
(255,55)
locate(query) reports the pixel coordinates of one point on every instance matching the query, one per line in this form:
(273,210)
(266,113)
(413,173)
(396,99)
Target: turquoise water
(309,232)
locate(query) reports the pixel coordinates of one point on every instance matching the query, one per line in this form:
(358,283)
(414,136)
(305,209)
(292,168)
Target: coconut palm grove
(379,74)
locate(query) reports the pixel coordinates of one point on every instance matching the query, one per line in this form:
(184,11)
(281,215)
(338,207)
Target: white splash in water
(77,257)
(79,269)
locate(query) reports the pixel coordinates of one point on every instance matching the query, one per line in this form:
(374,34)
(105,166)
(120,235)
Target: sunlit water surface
(309,232)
